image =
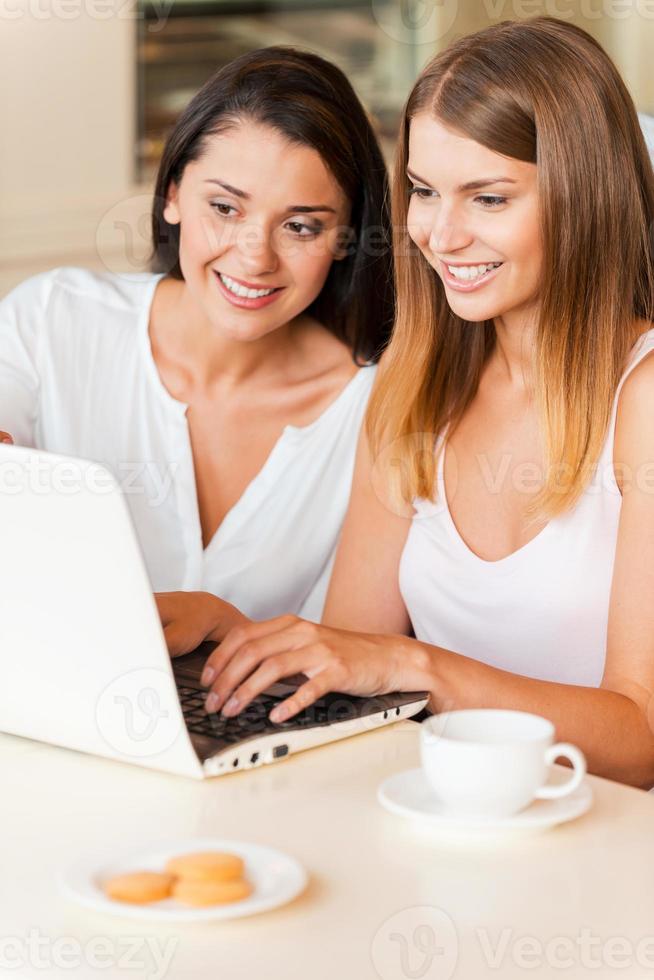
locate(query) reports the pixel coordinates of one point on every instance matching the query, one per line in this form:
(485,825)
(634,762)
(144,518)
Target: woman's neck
(182,334)
(515,341)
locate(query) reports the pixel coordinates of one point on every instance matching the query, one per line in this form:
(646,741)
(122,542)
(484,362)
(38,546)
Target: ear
(171,209)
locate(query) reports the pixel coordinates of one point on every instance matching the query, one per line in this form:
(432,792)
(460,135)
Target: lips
(242,282)
(466,286)
(246,302)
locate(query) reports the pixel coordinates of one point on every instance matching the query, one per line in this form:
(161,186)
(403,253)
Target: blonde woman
(503,504)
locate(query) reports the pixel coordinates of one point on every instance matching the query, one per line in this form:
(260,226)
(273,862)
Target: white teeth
(238,290)
(469,272)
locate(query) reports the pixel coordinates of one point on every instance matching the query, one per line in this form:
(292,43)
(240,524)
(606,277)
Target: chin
(243,332)
(475,312)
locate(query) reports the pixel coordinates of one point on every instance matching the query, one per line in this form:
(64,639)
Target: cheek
(521,239)
(523,250)
(418,226)
(203,236)
(529,259)
(310,262)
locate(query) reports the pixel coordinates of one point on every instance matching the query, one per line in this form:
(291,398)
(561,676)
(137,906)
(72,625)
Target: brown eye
(491,200)
(303,231)
(224,209)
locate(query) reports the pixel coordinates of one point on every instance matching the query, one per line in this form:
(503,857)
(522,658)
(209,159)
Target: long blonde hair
(541,91)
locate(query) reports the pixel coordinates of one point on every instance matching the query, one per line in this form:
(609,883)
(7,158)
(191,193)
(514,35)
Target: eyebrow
(295,209)
(472,185)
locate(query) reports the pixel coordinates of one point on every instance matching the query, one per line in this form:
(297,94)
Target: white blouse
(77,377)
(542,611)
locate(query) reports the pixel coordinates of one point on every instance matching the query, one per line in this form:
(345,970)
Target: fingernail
(212,702)
(231,708)
(280,713)
(208,675)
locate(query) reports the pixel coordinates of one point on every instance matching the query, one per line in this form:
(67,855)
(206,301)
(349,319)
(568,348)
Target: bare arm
(611,728)
(364,591)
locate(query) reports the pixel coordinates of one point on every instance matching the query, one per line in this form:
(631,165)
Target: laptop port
(254,758)
(235,762)
(279,751)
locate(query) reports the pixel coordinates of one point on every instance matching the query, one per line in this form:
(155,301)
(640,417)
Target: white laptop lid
(82,653)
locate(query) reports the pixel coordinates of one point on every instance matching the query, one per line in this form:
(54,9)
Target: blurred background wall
(90,88)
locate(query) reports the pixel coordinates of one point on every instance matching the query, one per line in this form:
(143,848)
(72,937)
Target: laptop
(82,652)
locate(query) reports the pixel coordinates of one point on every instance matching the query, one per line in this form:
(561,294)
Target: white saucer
(276,879)
(410,795)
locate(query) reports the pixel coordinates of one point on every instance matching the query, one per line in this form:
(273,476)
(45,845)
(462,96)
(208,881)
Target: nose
(257,251)
(449,232)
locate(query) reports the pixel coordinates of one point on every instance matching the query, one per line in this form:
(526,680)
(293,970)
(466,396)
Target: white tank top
(77,377)
(542,611)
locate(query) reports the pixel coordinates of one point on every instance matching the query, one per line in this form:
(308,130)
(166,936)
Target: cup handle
(578,760)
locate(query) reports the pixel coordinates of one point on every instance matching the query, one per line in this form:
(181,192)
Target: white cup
(493,763)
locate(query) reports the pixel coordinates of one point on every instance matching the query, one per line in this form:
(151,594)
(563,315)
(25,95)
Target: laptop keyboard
(254,720)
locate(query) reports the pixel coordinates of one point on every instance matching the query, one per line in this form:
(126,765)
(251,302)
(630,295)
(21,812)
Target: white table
(378,884)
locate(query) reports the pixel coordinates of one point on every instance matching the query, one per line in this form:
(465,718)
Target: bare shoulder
(638,390)
(634,431)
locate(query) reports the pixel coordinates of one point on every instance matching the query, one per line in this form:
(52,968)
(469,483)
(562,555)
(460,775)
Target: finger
(271,670)
(245,662)
(5,437)
(305,696)
(239,637)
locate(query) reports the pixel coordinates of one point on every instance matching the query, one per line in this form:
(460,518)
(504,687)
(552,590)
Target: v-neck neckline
(497,565)
(188,499)
(255,490)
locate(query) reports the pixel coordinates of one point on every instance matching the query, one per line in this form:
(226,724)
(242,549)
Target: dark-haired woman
(225,389)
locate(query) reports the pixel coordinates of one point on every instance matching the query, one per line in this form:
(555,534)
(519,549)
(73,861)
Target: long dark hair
(310,102)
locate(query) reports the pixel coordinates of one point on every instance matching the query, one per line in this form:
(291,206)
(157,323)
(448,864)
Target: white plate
(410,795)
(276,879)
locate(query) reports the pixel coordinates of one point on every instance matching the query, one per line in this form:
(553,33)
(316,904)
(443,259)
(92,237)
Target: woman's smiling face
(474,215)
(261,221)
